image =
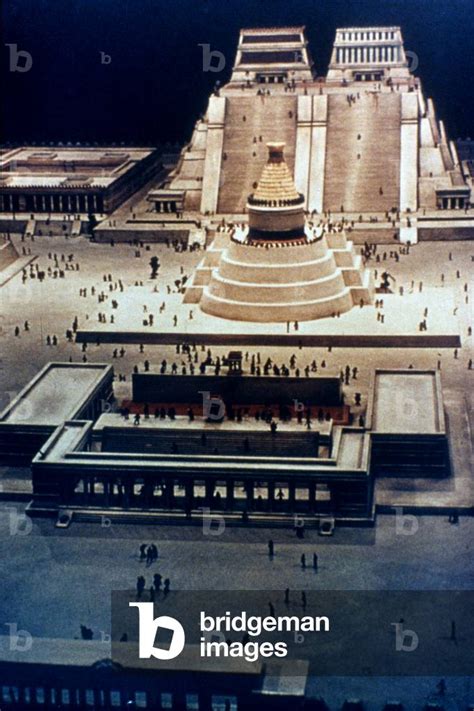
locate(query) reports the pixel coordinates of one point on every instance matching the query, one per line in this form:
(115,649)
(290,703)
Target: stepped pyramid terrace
(278,267)
(362,141)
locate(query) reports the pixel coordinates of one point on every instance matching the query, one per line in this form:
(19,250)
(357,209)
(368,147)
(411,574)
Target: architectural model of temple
(278,267)
(363,139)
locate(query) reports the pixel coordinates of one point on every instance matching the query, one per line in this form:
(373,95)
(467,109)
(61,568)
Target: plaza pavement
(54,581)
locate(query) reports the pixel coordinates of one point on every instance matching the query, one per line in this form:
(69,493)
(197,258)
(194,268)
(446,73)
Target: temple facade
(279,267)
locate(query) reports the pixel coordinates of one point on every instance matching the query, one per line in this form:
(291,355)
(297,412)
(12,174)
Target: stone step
(276,312)
(355,183)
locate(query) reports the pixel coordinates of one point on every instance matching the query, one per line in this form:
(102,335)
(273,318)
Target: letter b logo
(148,628)
(20,60)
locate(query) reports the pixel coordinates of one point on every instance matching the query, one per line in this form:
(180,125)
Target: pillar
(106,485)
(230,494)
(249,488)
(271,495)
(189,494)
(291,495)
(128,493)
(210,485)
(170,492)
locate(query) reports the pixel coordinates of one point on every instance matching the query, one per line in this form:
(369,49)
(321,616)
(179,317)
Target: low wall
(445,234)
(128,235)
(154,388)
(7,224)
(418,340)
(55,227)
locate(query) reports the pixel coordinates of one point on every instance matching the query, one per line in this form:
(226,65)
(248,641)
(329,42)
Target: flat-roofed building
(78,673)
(159,456)
(60,391)
(77,180)
(272,55)
(406,417)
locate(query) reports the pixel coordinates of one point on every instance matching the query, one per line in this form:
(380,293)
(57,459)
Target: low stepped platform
(279,282)
(231,268)
(279,311)
(294,291)
(255,444)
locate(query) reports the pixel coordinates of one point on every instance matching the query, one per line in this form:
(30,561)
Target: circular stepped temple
(278,268)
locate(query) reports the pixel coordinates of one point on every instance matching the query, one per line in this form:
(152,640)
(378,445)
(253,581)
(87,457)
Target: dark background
(154,89)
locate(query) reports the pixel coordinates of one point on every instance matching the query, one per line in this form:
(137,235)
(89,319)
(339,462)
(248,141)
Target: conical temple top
(276,182)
